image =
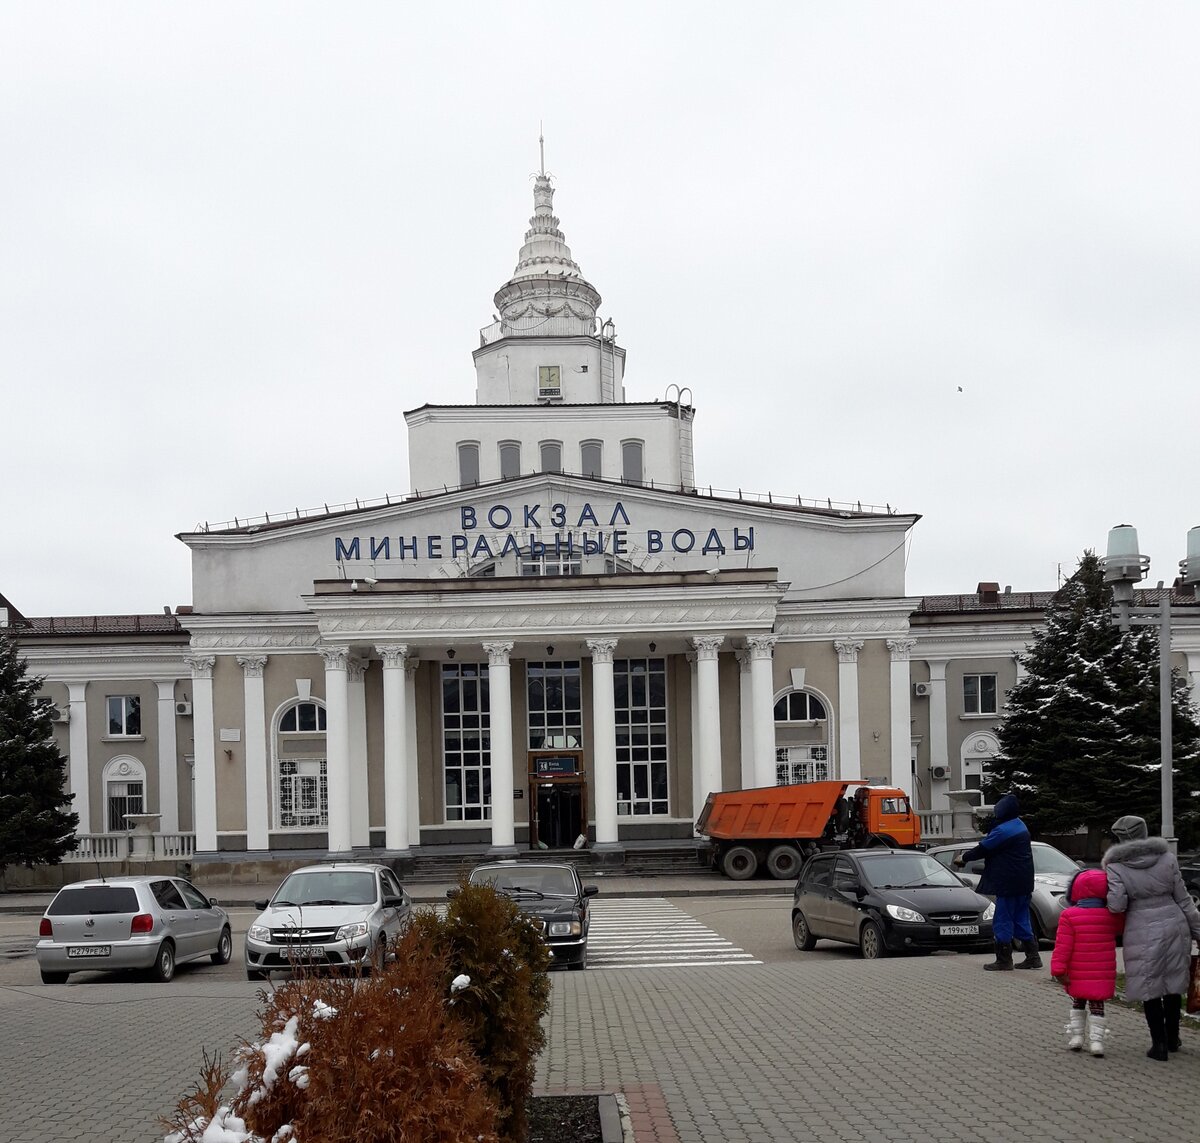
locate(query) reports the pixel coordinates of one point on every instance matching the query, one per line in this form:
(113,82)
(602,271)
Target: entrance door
(557,800)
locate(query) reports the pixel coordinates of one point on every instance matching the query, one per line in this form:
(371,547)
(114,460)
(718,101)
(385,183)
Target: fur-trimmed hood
(1140,853)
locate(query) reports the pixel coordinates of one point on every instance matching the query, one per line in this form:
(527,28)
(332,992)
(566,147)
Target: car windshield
(332,887)
(1047,859)
(905,871)
(94,900)
(545,881)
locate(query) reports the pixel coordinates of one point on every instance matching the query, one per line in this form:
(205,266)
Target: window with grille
(303,718)
(562,563)
(640,701)
(303,793)
(466,742)
(123,798)
(794,764)
(124,716)
(799,706)
(553,694)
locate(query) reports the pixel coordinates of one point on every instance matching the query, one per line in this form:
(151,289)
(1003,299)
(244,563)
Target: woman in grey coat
(1160,924)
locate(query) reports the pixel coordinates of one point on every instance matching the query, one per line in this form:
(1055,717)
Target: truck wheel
(739,863)
(784,862)
(870,942)
(801,933)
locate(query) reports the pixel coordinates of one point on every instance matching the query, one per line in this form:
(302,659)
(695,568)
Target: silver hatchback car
(339,915)
(149,923)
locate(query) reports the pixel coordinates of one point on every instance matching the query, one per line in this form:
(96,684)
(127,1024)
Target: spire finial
(541,147)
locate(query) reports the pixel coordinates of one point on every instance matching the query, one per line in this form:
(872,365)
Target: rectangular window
(551,456)
(555,705)
(640,701)
(123,798)
(796,764)
(303,793)
(468,464)
(466,742)
(589,458)
(561,564)
(510,461)
(979,694)
(631,462)
(124,716)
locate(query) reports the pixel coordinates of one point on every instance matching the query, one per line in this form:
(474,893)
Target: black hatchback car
(553,896)
(888,900)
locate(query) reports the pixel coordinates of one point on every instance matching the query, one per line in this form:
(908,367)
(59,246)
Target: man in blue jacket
(1008,876)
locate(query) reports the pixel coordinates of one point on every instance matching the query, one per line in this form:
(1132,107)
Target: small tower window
(631,462)
(551,456)
(589,458)
(468,464)
(510,461)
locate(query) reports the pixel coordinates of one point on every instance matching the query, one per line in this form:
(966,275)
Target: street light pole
(1125,566)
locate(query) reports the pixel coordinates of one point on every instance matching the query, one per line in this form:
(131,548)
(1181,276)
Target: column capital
(498,653)
(847,649)
(761,646)
(356,669)
(742,655)
(707,646)
(393,654)
(411,665)
(336,658)
(201,665)
(602,649)
(252,665)
(900,649)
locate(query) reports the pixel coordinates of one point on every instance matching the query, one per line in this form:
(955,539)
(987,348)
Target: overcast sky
(944,257)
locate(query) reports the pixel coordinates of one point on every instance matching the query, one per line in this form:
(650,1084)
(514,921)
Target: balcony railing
(119,847)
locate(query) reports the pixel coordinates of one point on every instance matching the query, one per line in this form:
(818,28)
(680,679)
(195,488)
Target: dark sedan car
(553,896)
(888,900)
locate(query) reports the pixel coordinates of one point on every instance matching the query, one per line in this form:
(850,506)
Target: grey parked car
(340,915)
(1052,874)
(150,923)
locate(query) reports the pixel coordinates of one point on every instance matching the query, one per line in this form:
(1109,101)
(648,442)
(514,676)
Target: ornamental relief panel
(256,641)
(876,627)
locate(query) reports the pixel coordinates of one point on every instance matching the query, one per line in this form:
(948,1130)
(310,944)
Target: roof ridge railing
(771,499)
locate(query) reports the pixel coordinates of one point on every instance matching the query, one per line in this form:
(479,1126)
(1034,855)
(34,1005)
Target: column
(604,743)
(762,688)
(413,785)
(168,763)
(746,714)
(1193,669)
(500,711)
(77,746)
(337,746)
(698,795)
(708,715)
(395,747)
(901,721)
(204,770)
(1019,662)
(849,733)
(360,810)
(939,748)
(257,780)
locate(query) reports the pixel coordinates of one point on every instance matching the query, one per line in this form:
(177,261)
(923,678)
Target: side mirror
(213,901)
(393,902)
(261,905)
(860,891)
(591,890)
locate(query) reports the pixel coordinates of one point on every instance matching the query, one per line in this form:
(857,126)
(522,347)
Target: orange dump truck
(779,826)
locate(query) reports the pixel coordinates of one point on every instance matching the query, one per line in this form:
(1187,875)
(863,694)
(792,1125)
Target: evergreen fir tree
(37,826)
(1079,739)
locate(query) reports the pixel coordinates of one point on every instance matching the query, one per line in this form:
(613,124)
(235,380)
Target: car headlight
(259,933)
(352,932)
(564,928)
(989,912)
(903,914)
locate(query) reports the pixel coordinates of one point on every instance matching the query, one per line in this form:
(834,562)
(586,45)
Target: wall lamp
(550,650)
(653,648)
(450,653)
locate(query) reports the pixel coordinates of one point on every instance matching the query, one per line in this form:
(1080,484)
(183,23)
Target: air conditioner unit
(922,690)
(58,715)
(184,709)
(939,773)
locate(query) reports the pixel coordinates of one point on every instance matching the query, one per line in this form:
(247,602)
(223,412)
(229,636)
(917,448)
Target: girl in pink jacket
(1085,957)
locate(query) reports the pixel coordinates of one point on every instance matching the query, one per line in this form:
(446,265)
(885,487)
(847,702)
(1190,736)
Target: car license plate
(959,930)
(306,952)
(89,950)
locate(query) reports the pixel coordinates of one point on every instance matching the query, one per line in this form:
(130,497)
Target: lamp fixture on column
(450,653)
(653,648)
(550,650)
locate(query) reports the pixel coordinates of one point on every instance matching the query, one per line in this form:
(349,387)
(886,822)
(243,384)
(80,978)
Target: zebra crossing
(652,933)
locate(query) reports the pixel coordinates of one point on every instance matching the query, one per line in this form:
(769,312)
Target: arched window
(468,463)
(590,456)
(510,460)
(803,749)
(631,462)
(551,456)
(301,780)
(124,792)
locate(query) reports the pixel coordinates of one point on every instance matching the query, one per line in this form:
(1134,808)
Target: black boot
(1156,1021)
(1171,1006)
(1032,959)
(1003,961)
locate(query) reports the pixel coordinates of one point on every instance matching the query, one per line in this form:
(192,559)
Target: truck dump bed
(770,812)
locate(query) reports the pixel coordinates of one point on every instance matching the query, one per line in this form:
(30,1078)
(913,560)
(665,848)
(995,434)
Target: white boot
(1096,1034)
(1075,1029)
